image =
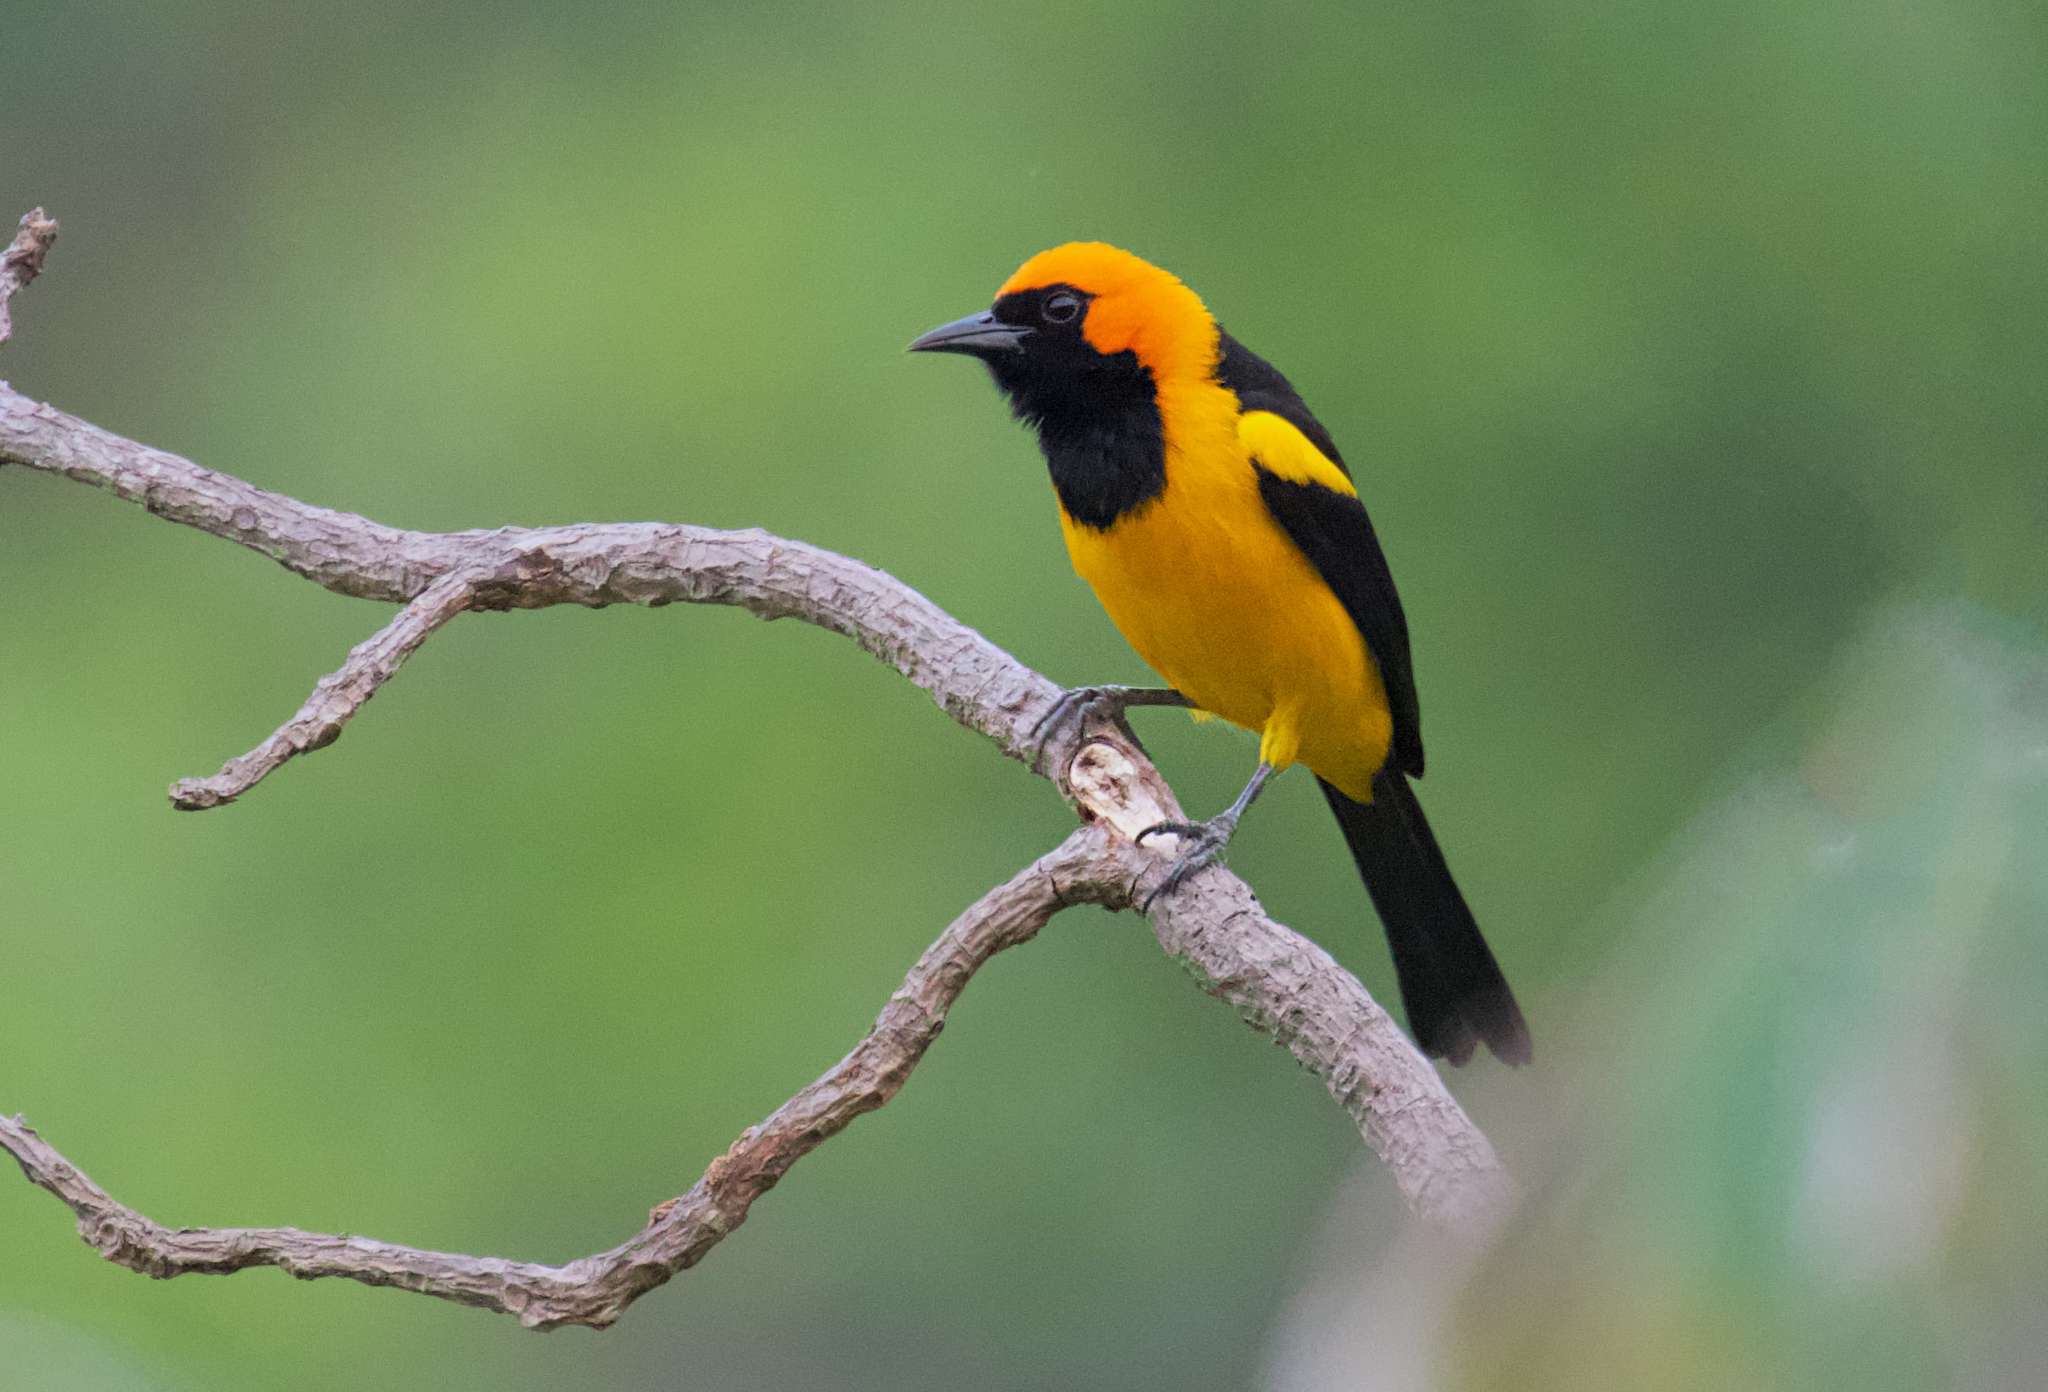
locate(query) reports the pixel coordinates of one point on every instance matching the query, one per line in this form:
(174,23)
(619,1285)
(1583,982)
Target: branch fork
(1279,982)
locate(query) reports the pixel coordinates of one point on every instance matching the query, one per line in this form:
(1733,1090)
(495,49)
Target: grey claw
(1071,709)
(1206,841)
(1077,703)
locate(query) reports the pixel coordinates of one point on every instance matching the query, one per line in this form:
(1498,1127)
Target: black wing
(1260,387)
(1334,532)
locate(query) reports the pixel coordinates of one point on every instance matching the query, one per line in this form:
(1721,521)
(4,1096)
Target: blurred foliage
(1794,1137)
(1670,343)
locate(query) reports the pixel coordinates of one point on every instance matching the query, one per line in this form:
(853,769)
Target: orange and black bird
(1217,523)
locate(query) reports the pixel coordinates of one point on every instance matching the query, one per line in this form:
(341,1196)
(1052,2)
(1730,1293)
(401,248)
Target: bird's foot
(1202,845)
(1062,722)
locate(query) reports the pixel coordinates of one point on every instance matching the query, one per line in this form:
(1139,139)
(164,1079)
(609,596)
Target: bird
(1221,530)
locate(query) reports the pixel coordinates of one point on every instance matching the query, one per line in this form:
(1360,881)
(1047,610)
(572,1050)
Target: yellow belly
(1210,591)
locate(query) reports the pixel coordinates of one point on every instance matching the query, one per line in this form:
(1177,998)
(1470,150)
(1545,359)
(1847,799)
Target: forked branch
(1278,981)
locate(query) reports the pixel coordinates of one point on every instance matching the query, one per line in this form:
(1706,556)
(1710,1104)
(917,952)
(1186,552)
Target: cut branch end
(1277,980)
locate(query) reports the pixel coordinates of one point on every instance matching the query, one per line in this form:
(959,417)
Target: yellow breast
(1210,591)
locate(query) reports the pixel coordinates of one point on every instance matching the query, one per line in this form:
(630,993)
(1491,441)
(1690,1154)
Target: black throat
(1099,427)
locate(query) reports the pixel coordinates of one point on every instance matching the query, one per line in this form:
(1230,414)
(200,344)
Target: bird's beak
(981,334)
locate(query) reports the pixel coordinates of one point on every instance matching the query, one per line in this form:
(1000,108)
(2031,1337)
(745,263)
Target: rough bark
(1278,981)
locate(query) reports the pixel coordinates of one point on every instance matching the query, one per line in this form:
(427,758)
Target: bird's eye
(1062,308)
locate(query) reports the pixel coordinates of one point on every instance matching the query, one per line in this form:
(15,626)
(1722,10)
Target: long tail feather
(1451,987)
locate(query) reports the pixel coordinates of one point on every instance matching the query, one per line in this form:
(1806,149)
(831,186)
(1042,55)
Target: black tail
(1450,984)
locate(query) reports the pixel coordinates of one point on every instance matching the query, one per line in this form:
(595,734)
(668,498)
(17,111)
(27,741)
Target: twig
(336,697)
(588,564)
(22,262)
(1279,981)
(596,1290)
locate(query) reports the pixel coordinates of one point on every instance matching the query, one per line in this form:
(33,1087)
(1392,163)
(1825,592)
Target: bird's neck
(1100,430)
(1105,463)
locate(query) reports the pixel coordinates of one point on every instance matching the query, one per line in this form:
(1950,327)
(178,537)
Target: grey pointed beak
(979,334)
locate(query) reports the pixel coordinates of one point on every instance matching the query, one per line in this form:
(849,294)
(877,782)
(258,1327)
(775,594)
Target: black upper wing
(1334,532)
(1260,387)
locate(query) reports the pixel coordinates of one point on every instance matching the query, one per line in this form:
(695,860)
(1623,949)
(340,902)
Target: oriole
(1219,527)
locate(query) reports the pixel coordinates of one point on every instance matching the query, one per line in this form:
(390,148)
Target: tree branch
(22,262)
(588,564)
(336,697)
(1279,982)
(596,1289)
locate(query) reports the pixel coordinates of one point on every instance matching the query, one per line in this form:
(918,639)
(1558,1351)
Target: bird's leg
(1066,715)
(1205,840)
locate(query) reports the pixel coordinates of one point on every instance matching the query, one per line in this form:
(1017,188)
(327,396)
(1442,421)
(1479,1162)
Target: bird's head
(1082,329)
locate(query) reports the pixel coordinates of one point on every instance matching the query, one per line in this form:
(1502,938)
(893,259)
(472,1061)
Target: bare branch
(337,696)
(1278,981)
(589,564)
(22,262)
(1285,985)
(596,1290)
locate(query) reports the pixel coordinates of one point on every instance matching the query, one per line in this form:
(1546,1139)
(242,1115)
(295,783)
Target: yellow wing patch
(1287,453)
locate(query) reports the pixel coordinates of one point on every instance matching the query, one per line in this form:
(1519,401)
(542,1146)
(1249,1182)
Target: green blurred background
(1691,360)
